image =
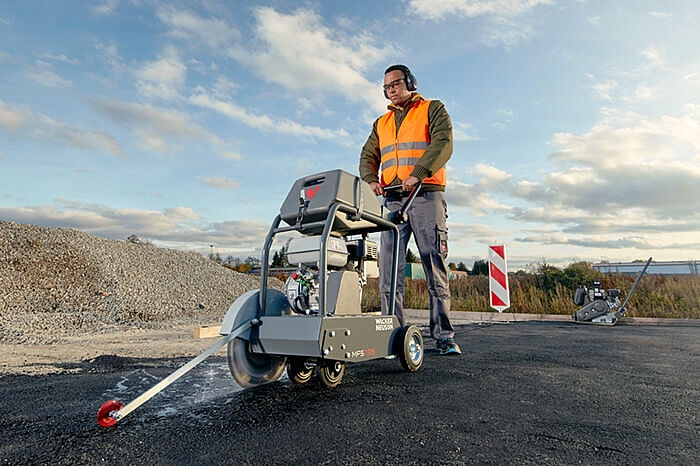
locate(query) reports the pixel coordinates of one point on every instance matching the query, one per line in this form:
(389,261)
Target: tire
(411,349)
(298,372)
(330,373)
(251,369)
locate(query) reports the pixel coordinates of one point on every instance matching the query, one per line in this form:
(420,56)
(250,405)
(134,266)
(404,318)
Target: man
(411,143)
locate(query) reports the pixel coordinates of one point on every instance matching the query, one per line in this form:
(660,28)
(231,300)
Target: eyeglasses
(393,84)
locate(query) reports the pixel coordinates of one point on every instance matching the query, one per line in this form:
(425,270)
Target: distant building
(689,267)
(414,271)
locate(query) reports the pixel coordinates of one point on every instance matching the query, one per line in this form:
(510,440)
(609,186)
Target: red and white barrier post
(499,292)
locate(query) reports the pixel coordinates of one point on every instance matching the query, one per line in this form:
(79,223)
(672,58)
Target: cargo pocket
(441,237)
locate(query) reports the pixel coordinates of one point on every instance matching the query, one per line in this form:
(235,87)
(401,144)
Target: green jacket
(435,157)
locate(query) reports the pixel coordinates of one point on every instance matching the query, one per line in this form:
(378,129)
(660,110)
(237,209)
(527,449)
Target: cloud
(189,26)
(435,10)
(105,7)
(463,132)
(162,78)
(4,21)
(654,56)
(301,53)
(222,183)
(11,118)
(179,226)
(604,90)
(42,73)
(263,122)
(155,127)
(25,123)
(504,19)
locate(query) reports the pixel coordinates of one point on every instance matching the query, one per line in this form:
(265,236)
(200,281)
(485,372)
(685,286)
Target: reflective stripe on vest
(400,152)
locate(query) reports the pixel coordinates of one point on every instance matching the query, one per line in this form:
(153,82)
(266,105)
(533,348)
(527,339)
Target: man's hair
(403,68)
(411,81)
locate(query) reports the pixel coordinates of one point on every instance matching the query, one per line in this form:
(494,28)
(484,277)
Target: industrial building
(689,267)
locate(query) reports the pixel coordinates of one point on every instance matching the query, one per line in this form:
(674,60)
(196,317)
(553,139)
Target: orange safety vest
(400,151)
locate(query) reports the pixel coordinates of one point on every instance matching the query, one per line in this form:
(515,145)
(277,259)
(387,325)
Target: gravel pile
(58,282)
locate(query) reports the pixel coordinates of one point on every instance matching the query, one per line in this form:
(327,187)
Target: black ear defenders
(411,82)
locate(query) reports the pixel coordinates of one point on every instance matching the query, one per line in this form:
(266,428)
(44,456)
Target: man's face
(395,86)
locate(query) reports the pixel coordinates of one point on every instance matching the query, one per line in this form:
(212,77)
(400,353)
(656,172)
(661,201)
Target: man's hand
(376,188)
(409,183)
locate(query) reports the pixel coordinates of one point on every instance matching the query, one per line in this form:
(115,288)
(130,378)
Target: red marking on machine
(311,191)
(499,291)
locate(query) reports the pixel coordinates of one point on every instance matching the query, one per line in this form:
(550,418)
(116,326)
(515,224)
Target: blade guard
(247,307)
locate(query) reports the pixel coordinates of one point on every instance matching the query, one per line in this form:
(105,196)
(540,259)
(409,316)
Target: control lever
(400,216)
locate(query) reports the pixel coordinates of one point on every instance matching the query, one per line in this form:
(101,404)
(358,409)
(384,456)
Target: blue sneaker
(448,346)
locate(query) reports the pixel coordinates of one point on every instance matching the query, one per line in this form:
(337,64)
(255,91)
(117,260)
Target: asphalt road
(526,393)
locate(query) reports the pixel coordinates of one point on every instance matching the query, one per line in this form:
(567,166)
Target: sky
(576,122)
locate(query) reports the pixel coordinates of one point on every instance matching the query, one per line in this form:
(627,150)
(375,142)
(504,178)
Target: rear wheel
(250,369)
(331,373)
(410,348)
(299,371)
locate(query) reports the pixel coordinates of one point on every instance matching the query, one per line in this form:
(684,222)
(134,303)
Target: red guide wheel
(103,415)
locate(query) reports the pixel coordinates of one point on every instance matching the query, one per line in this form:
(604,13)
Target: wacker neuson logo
(384,324)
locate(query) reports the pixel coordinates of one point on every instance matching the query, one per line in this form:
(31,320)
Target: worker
(411,143)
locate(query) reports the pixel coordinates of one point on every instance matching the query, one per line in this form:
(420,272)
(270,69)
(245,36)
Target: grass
(551,291)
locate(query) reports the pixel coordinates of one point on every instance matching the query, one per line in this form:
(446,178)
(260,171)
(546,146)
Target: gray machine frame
(329,334)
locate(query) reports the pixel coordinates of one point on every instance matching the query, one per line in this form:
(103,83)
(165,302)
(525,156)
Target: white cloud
(231,155)
(26,123)
(263,122)
(221,183)
(105,7)
(162,78)
(654,55)
(11,118)
(156,127)
(189,26)
(43,74)
(463,132)
(62,58)
(179,226)
(110,55)
(506,22)
(605,89)
(301,53)
(439,9)
(4,21)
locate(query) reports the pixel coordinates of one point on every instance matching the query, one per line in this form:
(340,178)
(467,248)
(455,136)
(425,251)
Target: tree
(481,267)
(461,267)
(410,257)
(452,266)
(279,258)
(253,262)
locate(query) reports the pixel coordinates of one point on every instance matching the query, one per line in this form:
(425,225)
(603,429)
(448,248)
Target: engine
(342,256)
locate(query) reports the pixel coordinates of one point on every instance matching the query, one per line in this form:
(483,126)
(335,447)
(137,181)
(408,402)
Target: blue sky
(577,123)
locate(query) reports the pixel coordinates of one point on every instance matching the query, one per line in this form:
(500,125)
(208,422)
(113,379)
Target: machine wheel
(331,373)
(298,372)
(252,369)
(411,348)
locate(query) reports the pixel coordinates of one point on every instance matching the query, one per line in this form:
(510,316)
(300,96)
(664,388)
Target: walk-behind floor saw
(599,306)
(316,326)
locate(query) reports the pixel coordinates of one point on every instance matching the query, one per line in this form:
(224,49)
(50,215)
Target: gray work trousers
(427,221)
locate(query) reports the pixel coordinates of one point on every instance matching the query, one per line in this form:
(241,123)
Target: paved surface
(525,393)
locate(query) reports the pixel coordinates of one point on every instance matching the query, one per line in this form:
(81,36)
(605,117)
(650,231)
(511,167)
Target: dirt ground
(136,343)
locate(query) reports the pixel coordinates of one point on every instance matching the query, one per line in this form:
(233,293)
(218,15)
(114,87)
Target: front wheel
(331,373)
(299,371)
(410,348)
